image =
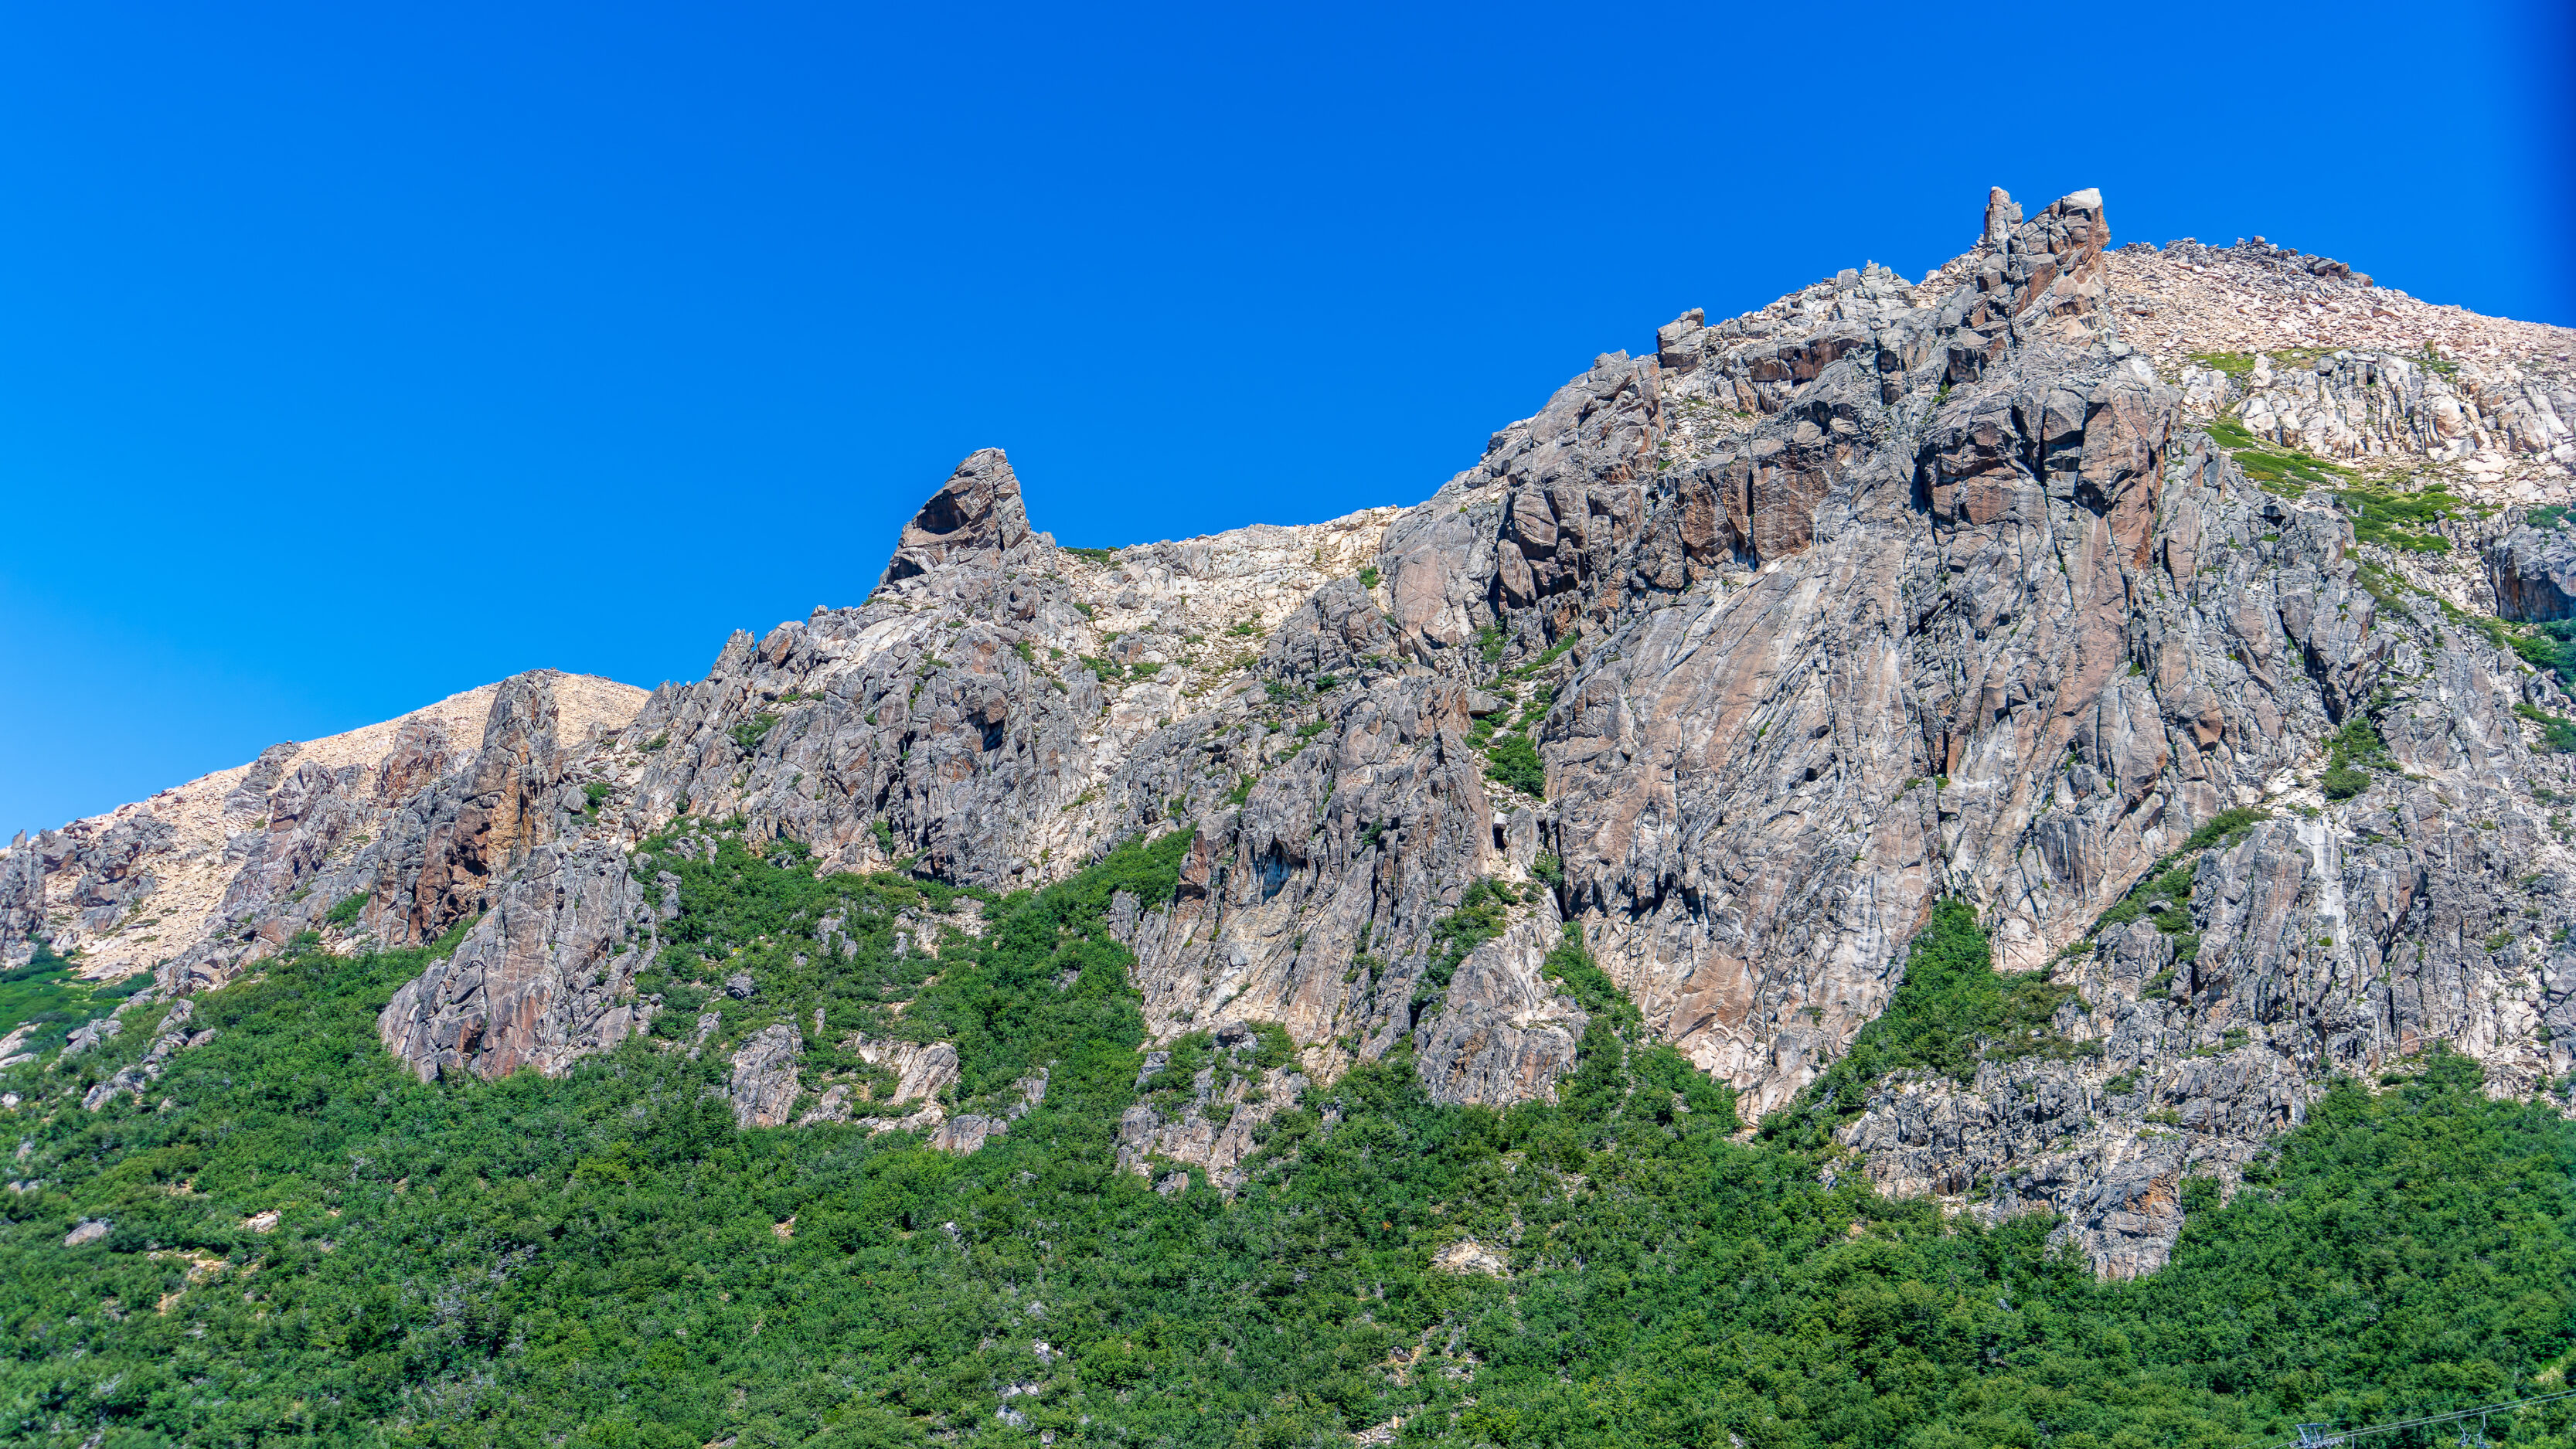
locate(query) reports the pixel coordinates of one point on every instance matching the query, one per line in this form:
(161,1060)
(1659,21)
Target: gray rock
(967,1132)
(545,977)
(976,518)
(172,1038)
(1885,592)
(832,1106)
(22,901)
(1213,1126)
(764,1086)
(1503,1034)
(923,1070)
(90,1033)
(2001,217)
(2533,572)
(1678,343)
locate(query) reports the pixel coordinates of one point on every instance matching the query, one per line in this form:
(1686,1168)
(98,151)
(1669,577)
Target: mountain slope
(299,1237)
(2028,584)
(155,881)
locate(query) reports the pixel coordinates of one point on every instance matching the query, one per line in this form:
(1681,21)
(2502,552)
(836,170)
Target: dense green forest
(604,1259)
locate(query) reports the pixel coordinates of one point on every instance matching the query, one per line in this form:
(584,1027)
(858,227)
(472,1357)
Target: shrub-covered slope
(293,1237)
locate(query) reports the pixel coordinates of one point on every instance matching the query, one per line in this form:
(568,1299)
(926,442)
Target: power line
(2318,1436)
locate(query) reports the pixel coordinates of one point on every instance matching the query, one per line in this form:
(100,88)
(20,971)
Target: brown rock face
(975,518)
(201,879)
(542,979)
(1886,592)
(421,753)
(501,810)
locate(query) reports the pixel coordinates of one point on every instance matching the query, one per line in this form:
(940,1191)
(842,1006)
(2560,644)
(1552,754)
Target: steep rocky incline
(205,876)
(2142,598)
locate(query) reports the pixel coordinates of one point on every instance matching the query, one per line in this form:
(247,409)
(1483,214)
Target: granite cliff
(2160,603)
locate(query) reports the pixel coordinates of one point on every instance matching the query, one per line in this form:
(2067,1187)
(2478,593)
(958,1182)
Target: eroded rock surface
(1732,659)
(203,879)
(764,1086)
(2533,573)
(541,980)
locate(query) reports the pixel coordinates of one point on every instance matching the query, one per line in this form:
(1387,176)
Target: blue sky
(354,355)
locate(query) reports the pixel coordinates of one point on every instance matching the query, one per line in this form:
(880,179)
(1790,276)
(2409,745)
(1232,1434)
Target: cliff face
(418,817)
(1733,658)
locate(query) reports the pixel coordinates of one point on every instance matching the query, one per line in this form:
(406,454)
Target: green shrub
(748,734)
(1483,910)
(1570,965)
(2352,752)
(2163,898)
(1514,761)
(1554,652)
(2225,828)
(1949,1002)
(604,1258)
(2557,734)
(2550,646)
(2402,521)
(2235,364)
(2288,471)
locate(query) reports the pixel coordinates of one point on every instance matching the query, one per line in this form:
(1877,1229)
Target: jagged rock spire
(976,512)
(2001,217)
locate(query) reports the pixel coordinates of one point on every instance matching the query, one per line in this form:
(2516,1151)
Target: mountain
(2027,744)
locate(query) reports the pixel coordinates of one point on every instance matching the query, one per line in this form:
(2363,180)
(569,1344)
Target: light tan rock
(1469,1256)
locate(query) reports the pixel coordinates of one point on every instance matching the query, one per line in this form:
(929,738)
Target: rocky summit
(2190,624)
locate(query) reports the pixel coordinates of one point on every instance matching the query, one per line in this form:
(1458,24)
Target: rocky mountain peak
(2035,584)
(975,517)
(2001,217)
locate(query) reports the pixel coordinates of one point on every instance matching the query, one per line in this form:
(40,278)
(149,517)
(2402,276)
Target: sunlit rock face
(1730,660)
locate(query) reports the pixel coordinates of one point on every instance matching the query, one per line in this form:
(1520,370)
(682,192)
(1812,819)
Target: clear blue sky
(354,355)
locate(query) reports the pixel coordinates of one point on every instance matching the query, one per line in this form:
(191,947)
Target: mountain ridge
(1887,593)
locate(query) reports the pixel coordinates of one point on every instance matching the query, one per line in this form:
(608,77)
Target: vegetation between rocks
(305,1241)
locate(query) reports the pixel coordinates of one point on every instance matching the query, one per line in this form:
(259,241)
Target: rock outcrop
(542,978)
(2533,573)
(203,879)
(1731,660)
(1209,1121)
(975,520)
(764,1086)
